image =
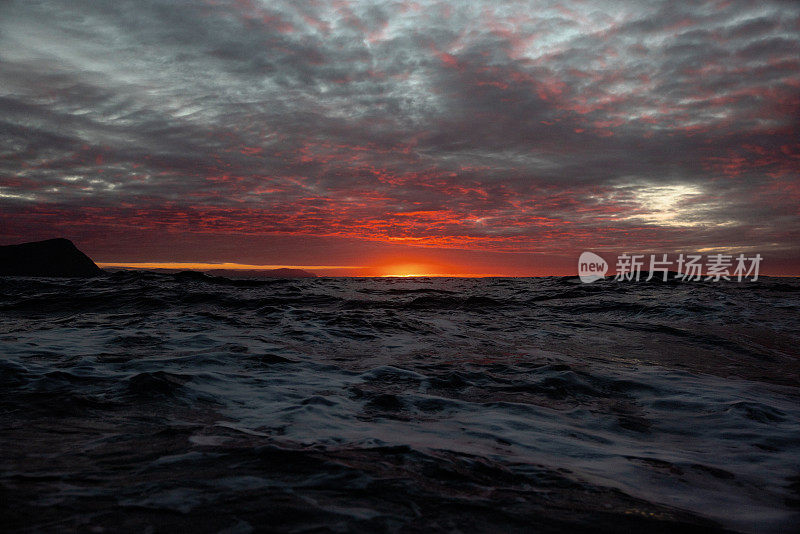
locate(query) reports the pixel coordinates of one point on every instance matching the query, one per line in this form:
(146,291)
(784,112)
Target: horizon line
(199,266)
(221,265)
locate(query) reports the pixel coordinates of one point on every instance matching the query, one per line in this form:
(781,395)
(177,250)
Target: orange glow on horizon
(398,262)
(386,267)
(200,266)
(406,270)
(405,267)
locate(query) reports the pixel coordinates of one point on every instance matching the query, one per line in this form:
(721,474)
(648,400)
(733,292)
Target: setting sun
(423,265)
(409,270)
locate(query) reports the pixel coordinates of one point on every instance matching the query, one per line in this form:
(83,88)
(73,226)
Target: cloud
(514,126)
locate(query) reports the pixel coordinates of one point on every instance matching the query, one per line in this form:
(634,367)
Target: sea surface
(150,402)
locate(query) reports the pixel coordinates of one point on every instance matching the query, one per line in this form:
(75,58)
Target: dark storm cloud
(511,125)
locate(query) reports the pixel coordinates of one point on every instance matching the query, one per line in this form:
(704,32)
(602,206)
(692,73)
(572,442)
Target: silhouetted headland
(53,257)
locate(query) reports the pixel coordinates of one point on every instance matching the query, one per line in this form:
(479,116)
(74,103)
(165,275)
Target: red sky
(350,137)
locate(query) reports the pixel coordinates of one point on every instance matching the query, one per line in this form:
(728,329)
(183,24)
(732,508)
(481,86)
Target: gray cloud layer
(518,126)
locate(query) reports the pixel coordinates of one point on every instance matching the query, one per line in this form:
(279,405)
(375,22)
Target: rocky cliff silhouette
(53,257)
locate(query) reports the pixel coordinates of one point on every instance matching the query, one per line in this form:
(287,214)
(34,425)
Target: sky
(352,137)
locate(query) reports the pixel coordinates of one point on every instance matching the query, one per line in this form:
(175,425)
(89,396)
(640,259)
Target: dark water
(153,402)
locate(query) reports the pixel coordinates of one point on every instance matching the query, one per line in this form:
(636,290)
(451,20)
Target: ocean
(151,402)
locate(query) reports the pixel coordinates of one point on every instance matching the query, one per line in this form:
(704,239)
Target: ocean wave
(376,404)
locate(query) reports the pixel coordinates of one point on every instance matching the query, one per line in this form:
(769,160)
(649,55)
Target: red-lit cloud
(515,128)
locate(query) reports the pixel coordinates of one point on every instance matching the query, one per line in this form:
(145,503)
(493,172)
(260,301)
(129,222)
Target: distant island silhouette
(267,273)
(52,257)
(209,274)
